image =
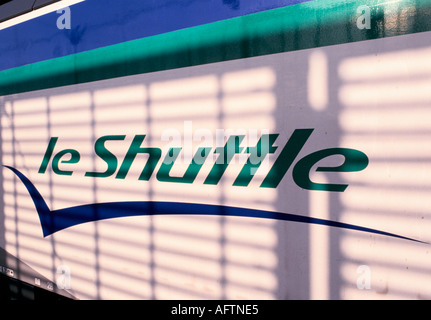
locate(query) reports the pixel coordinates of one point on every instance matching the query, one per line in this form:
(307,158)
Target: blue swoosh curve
(57,220)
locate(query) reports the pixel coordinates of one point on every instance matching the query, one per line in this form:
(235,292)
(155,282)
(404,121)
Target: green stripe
(307,25)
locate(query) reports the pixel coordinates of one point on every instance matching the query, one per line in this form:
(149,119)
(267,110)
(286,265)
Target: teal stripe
(307,25)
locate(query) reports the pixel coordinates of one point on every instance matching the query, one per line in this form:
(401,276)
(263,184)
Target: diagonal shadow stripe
(57,220)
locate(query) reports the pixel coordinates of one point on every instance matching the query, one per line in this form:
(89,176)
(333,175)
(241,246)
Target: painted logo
(354,160)
(53,221)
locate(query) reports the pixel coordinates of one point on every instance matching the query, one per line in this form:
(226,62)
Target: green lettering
(75,157)
(192,170)
(354,160)
(48,154)
(134,150)
(226,154)
(257,155)
(105,155)
(286,158)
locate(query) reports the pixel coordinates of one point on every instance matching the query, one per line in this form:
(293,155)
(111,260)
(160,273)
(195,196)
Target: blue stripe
(97,23)
(57,220)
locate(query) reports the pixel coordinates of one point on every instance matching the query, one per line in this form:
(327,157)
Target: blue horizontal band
(96,24)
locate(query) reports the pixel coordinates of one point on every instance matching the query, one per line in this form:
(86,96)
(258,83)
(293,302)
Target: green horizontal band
(302,26)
